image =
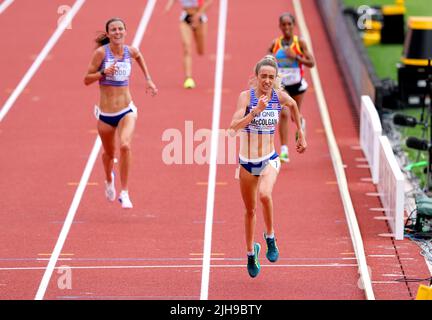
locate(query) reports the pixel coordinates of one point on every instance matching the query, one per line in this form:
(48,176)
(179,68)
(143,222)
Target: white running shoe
(124,200)
(110,191)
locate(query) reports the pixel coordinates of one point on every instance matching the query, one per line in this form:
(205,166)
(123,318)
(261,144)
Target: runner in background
(292,55)
(111,65)
(193,25)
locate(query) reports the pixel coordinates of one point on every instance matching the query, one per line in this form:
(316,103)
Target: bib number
(290,76)
(275,164)
(122,72)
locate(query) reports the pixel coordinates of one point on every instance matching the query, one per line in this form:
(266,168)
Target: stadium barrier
(370,131)
(361,80)
(384,167)
(357,69)
(391,188)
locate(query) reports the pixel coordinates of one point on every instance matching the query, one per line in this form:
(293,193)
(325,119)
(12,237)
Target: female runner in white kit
(111,65)
(257,115)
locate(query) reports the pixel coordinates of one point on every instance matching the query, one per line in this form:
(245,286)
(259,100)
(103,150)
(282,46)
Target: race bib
(275,163)
(265,121)
(122,72)
(290,76)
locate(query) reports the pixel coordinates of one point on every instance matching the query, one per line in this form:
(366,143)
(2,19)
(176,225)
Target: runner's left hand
(291,54)
(301,144)
(152,87)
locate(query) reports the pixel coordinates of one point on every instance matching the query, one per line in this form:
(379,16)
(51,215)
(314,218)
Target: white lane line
(4,5)
(40,58)
(139,34)
(68,222)
(84,179)
(223,10)
(328,265)
(337,164)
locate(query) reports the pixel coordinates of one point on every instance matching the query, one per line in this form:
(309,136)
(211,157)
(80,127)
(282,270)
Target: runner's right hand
(291,54)
(111,69)
(262,103)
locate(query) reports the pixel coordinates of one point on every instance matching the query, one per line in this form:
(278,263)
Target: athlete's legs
(299,99)
(200,36)
(126,128)
(248,188)
(267,180)
(284,116)
(107,135)
(186,37)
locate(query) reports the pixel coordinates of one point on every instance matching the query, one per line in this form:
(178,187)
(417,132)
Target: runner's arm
(270,50)
(204,7)
(239,119)
(137,55)
(307,59)
(93,74)
(287,101)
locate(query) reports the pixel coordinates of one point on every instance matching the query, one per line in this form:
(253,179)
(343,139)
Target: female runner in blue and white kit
(193,24)
(111,65)
(257,113)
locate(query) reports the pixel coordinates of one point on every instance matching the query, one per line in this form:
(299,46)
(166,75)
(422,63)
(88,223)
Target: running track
(155,250)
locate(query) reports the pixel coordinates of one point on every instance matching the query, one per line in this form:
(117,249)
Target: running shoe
(110,191)
(124,200)
(272,253)
(189,83)
(284,157)
(253,264)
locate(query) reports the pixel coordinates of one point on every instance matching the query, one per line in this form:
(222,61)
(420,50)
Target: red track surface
(25,34)
(153,251)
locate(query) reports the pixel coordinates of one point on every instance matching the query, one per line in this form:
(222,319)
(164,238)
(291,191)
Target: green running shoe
(253,264)
(272,253)
(284,157)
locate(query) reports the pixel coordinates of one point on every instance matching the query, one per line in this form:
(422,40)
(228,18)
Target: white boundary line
(40,58)
(329,265)
(4,5)
(337,163)
(223,10)
(87,171)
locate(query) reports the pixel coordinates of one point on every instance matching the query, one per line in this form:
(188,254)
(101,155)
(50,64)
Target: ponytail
(102,39)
